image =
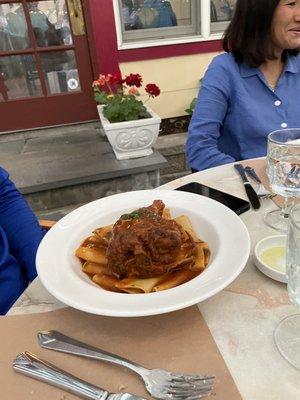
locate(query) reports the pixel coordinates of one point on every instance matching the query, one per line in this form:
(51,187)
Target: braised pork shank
(144,244)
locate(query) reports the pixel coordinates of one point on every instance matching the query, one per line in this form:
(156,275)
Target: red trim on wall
(109,56)
(105,37)
(90,38)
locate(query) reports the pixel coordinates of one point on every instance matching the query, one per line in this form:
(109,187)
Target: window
(220,14)
(143,23)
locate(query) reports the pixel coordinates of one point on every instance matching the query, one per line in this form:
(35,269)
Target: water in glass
(293,256)
(287,333)
(284,173)
(283,169)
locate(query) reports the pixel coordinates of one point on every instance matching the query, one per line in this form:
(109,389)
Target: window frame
(163,33)
(207,31)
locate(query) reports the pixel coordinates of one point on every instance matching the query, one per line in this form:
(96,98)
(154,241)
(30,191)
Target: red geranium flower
(120,96)
(115,79)
(133,80)
(100,81)
(152,89)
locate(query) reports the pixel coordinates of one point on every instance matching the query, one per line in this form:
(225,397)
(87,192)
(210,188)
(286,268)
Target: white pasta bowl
(60,270)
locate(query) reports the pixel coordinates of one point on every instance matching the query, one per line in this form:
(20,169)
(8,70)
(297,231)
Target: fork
(159,383)
(262,192)
(30,365)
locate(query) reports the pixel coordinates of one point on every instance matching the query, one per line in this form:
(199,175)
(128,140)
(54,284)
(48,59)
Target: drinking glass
(287,333)
(283,169)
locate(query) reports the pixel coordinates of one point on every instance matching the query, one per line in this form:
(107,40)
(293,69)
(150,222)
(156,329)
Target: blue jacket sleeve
(12,281)
(210,111)
(20,225)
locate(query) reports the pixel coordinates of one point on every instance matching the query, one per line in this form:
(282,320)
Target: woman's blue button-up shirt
(20,236)
(236,110)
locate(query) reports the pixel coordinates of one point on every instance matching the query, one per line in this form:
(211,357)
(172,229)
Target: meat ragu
(144,244)
(144,251)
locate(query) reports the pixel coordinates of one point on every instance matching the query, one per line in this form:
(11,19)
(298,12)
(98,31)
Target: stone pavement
(58,169)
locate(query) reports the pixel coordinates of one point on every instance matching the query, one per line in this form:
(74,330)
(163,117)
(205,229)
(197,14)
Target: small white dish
(269,257)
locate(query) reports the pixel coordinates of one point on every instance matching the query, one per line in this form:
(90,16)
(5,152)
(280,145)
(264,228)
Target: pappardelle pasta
(144,251)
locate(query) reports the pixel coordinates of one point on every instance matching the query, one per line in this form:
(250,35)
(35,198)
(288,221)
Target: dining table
(241,318)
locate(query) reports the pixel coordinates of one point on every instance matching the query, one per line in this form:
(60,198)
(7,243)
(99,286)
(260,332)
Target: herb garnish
(140,213)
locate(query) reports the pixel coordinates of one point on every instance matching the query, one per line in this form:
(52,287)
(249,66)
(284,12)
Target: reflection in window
(157,19)
(13,27)
(60,71)
(20,76)
(149,14)
(50,22)
(221,10)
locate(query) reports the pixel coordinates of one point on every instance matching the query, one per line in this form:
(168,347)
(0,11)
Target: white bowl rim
(264,265)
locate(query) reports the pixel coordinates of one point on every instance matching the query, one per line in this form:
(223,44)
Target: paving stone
(86,192)
(51,163)
(56,214)
(170,177)
(11,148)
(60,168)
(49,131)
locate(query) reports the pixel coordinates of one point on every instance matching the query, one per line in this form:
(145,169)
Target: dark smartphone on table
(234,203)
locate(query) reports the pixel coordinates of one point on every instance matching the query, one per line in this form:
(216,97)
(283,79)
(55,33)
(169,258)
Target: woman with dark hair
(20,236)
(252,89)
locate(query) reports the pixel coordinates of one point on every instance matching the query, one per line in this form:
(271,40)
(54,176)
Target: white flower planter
(131,139)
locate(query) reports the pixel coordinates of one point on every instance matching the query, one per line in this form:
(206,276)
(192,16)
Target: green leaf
(100,97)
(124,108)
(191,109)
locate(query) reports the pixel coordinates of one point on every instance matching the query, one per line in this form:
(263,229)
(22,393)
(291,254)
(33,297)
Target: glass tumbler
(287,333)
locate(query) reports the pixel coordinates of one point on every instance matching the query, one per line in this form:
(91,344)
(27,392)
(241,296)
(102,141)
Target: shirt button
(277,103)
(283,125)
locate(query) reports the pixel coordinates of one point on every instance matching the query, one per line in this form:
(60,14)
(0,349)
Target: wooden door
(45,64)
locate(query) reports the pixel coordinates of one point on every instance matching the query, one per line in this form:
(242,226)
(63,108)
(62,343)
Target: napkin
(179,341)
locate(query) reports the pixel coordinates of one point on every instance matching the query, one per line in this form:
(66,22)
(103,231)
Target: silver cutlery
(262,191)
(30,365)
(251,193)
(159,383)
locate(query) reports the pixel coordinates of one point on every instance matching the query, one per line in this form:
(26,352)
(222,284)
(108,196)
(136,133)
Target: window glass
(13,27)
(60,71)
(20,76)
(151,19)
(150,14)
(221,10)
(50,23)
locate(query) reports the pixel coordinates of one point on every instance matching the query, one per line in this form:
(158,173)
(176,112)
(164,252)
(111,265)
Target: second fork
(262,192)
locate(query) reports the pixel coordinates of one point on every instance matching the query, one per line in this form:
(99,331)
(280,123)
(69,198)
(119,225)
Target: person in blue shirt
(252,89)
(20,236)
(165,15)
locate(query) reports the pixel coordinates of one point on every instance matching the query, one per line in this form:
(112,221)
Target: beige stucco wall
(177,77)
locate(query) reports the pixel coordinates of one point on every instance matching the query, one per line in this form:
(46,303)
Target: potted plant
(130,126)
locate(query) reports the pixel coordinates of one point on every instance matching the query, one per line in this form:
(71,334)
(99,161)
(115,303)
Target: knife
(251,193)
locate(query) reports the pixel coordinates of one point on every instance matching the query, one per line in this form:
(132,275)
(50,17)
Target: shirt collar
(292,65)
